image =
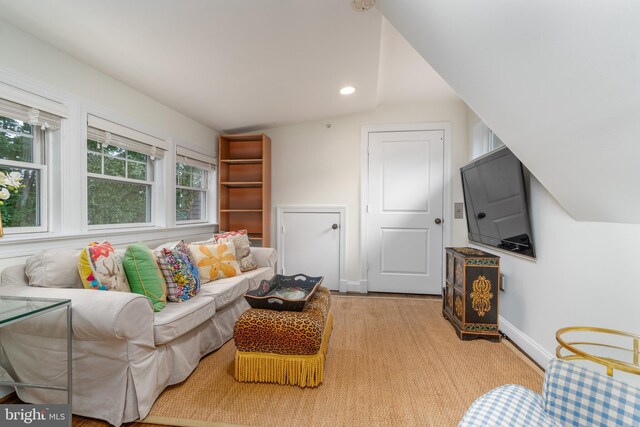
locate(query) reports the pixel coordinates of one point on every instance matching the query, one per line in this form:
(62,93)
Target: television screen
(496,202)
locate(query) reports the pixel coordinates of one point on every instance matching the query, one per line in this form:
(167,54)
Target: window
(120,175)
(191,193)
(23,131)
(193,175)
(119,185)
(483,140)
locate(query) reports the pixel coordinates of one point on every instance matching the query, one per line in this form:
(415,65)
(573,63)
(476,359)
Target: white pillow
(54,268)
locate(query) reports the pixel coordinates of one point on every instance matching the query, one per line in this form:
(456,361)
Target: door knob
(334,226)
(438,221)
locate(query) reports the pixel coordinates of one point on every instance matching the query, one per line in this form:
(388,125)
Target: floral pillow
(100,267)
(215,261)
(241,242)
(179,271)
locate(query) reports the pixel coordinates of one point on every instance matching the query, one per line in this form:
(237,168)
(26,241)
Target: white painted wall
(586,273)
(32,58)
(313,164)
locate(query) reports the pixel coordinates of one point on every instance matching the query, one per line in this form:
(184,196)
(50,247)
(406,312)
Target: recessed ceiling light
(347,90)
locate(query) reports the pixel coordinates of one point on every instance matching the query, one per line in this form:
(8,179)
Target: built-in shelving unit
(245,185)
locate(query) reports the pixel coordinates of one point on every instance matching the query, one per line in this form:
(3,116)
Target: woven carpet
(391,362)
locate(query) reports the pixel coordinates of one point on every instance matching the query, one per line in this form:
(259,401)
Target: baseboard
(344,285)
(357,287)
(526,344)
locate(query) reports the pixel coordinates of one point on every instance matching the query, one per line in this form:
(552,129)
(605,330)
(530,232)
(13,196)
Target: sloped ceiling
(558,82)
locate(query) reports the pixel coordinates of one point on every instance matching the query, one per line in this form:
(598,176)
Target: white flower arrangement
(10,182)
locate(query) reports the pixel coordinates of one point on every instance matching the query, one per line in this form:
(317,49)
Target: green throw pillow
(144,276)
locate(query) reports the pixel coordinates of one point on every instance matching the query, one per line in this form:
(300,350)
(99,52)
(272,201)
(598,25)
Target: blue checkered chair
(571,396)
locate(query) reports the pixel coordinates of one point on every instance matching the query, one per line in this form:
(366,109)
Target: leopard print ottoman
(284,347)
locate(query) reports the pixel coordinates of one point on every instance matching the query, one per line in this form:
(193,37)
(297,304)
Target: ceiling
(239,65)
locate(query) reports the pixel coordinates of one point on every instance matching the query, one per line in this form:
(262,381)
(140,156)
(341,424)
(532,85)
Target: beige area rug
(391,362)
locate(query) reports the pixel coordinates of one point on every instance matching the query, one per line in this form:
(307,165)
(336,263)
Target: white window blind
(30,115)
(108,133)
(194,158)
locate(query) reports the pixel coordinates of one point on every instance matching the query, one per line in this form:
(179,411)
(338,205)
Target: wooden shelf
(244,173)
(242,161)
(242,184)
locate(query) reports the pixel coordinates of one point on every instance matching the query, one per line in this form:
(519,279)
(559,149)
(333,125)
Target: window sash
(204,210)
(119,179)
(184,187)
(14,111)
(148,201)
(204,186)
(149,165)
(42,203)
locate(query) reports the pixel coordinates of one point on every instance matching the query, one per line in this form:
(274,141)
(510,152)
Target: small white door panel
(310,244)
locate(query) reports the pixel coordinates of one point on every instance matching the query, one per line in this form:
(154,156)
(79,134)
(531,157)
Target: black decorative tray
(284,293)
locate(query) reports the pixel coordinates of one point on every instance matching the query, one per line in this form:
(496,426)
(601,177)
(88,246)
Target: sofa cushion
(179,271)
(215,261)
(177,319)
(54,268)
(144,276)
(225,291)
(258,275)
(100,267)
(241,242)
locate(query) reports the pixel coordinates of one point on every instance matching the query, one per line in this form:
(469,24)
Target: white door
(405,204)
(310,244)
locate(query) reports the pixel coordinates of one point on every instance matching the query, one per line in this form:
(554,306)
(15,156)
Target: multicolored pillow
(144,275)
(179,271)
(241,242)
(215,261)
(100,267)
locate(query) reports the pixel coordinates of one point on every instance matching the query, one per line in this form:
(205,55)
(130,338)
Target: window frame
(206,190)
(150,182)
(40,155)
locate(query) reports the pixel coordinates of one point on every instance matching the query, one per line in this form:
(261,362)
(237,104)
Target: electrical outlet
(457,210)
(502,280)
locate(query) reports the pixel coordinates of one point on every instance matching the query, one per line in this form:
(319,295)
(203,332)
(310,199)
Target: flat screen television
(495,199)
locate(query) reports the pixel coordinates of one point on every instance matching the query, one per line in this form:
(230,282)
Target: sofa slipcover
(124,354)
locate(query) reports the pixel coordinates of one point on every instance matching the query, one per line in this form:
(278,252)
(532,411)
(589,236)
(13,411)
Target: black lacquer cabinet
(471,293)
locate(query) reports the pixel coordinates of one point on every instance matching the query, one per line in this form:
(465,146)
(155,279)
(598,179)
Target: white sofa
(124,354)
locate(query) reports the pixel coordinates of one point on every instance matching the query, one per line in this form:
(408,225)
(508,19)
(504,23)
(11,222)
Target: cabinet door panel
(448,298)
(459,273)
(482,295)
(458,306)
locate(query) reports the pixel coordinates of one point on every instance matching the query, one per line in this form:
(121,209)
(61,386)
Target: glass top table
(13,309)
(16,309)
